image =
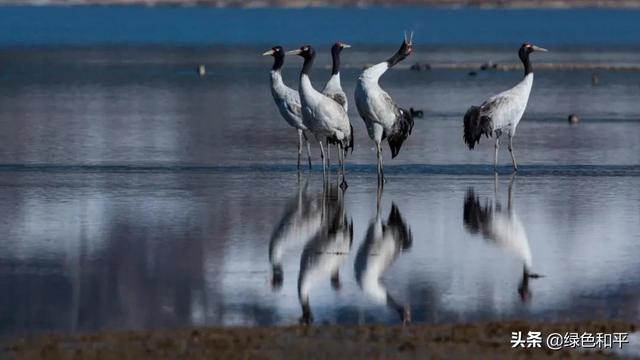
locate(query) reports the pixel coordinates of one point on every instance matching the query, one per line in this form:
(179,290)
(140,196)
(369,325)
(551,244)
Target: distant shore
(483,340)
(350,3)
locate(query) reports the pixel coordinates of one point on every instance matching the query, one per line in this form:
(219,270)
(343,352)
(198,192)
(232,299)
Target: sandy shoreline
(482,340)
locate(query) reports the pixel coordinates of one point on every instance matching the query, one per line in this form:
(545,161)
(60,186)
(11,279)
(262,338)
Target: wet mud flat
(480,340)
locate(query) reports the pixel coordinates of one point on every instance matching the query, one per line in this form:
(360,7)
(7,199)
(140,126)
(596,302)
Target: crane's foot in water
(344,185)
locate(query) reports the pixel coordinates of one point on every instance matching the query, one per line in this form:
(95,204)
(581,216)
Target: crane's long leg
(328,157)
(343,184)
(513,156)
(324,164)
(380,167)
(378,162)
(299,147)
(510,196)
(378,198)
(309,154)
(308,149)
(495,157)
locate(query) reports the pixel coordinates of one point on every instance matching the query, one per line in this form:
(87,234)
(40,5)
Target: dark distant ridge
(363,3)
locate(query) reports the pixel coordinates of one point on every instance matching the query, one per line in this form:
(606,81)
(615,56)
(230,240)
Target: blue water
(135,194)
(26,26)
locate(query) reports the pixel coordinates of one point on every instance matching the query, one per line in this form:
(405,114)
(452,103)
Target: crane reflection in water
(320,228)
(501,228)
(301,220)
(383,244)
(326,251)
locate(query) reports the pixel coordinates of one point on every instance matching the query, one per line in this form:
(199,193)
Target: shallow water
(134,194)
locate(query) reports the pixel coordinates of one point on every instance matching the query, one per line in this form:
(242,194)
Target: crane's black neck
(396,58)
(308,62)
(278,61)
(400,55)
(335,55)
(524,57)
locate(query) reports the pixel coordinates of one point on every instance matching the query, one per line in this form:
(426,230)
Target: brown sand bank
(487,341)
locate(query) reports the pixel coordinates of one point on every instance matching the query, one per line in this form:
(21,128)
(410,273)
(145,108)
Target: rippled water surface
(134,194)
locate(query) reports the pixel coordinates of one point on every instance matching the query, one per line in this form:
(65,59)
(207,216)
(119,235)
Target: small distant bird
(287,100)
(333,89)
(502,112)
(573,119)
(383,118)
(419,67)
(416,113)
(202,70)
(326,119)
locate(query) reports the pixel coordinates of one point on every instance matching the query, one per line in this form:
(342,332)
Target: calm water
(89,25)
(134,194)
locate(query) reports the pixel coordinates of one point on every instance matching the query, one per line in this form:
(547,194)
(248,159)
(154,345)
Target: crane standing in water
(333,88)
(287,100)
(383,118)
(502,112)
(322,115)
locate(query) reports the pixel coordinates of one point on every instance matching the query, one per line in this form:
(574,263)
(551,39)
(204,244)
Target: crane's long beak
(268,52)
(408,40)
(294,52)
(537,48)
(346,46)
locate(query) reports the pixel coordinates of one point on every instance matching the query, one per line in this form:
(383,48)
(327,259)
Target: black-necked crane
(287,100)
(383,118)
(322,115)
(381,247)
(333,88)
(502,228)
(502,112)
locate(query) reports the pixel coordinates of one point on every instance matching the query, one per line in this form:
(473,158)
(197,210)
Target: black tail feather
(346,143)
(400,132)
(475,125)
